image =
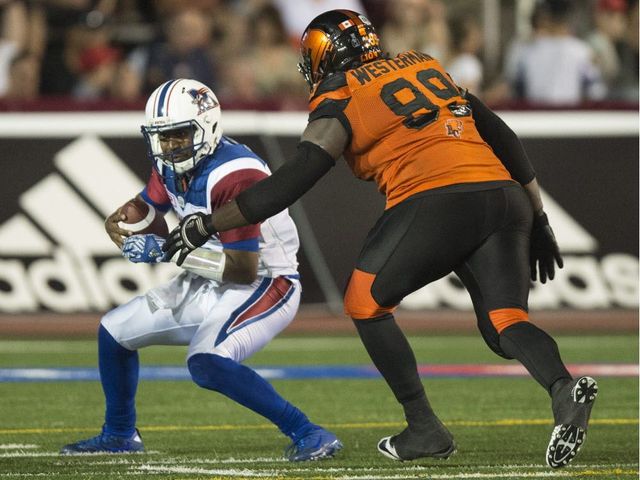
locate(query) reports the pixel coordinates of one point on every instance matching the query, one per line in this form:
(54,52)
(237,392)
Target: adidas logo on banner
(56,254)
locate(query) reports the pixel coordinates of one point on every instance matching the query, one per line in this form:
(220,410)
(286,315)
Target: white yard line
(20,454)
(17,446)
(177,466)
(415,473)
(27,475)
(216,471)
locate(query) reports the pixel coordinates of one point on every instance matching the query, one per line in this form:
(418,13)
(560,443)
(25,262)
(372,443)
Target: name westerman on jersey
(373,70)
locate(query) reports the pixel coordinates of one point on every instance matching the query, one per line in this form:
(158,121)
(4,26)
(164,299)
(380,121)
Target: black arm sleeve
(502,140)
(286,185)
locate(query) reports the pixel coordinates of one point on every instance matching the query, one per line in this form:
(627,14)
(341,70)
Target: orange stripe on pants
(358,301)
(505,317)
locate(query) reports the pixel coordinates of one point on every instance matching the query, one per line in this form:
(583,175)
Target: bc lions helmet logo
(202,99)
(454,127)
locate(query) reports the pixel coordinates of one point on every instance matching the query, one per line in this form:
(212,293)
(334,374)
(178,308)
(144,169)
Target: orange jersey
(411,129)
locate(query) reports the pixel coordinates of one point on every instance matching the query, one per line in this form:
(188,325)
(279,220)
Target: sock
(246,387)
(537,351)
(558,385)
(393,357)
(119,377)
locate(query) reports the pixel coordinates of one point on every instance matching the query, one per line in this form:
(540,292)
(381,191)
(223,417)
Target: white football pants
(230,320)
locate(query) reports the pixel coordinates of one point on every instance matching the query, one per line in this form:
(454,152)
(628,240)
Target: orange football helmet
(334,41)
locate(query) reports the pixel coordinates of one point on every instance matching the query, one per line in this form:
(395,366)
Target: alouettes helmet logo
(203,99)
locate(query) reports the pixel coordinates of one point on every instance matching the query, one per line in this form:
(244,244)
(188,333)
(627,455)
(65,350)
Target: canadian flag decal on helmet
(346,24)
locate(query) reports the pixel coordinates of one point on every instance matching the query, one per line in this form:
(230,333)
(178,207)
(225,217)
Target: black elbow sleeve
(504,142)
(286,185)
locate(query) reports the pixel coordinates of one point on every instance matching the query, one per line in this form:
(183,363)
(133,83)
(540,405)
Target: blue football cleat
(314,444)
(105,443)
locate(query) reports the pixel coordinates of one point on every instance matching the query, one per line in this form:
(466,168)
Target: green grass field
(501,425)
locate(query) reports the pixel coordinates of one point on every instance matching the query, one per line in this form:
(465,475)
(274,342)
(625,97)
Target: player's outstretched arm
(322,143)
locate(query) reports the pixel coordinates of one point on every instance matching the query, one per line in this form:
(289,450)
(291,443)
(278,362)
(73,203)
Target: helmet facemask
(178,146)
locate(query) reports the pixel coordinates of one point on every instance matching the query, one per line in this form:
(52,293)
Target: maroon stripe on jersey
(274,293)
(156,190)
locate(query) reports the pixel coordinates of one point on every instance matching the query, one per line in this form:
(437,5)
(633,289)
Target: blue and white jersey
(216,180)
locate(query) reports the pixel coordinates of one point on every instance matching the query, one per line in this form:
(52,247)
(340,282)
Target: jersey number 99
(420,102)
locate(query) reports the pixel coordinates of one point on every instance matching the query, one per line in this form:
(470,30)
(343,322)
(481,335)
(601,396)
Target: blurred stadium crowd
(55,54)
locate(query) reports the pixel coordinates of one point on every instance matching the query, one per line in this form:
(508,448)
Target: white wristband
(206,263)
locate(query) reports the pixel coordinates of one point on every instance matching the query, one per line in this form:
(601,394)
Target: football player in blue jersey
(235,293)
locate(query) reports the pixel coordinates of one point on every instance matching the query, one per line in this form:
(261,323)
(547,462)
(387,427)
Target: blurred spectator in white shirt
(464,66)
(556,67)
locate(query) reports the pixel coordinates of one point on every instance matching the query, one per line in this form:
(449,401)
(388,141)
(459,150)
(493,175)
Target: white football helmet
(183,124)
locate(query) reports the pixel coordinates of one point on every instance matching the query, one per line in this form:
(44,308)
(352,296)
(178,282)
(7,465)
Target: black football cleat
(571,410)
(436,442)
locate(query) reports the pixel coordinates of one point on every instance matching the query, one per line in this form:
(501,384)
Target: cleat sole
(567,439)
(564,445)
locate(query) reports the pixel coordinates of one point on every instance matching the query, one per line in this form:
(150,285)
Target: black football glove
(544,249)
(193,232)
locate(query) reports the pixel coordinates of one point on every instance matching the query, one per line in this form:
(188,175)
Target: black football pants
(480,231)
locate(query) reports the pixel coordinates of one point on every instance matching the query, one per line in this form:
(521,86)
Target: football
(142,218)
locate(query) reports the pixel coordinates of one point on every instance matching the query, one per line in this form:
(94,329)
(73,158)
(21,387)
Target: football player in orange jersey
(461,196)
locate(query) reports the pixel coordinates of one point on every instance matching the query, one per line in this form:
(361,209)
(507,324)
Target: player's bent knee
(208,370)
(493,342)
(359,304)
(505,317)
